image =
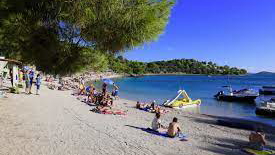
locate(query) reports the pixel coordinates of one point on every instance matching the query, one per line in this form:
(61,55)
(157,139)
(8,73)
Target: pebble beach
(55,122)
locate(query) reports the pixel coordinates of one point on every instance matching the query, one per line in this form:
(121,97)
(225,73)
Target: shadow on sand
(148,130)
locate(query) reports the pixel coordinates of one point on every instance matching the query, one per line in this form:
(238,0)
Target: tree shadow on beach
(162,134)
(229,146)
(226,146)
(148,130)
(228,123)
(220,150)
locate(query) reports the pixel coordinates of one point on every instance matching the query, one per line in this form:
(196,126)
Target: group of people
(104,103)
(103,98)
(173,130)
(153,107)
(28,76)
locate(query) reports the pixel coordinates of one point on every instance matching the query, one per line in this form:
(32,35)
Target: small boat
(243,95)
(184,102)
(266,108)
(267,90)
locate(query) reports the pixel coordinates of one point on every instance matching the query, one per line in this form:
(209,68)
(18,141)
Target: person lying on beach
(156,124)
(151,108)
(108,110)
(143,106)
(156,109)
(107,100)
(174,128)
(257,140)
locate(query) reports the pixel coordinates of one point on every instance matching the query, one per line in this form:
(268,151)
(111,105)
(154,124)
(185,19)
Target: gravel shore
(56,123)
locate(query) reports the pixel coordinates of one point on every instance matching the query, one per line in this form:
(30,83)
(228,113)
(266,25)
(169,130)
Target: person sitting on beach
(107,100)
(156,124)
(143,106)
(81,89)
(174,128)
(257,140)
(92,96)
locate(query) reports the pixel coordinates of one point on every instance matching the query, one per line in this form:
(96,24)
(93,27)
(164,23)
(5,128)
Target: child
(38,83)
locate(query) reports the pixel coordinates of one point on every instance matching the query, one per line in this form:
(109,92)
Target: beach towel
(180,136)
(257,152)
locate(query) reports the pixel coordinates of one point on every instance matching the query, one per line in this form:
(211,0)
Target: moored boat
(243,95)
(266,108)
(182,100)
(267,90)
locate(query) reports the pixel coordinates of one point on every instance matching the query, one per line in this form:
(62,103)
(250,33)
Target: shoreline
(56,122)
(167,74)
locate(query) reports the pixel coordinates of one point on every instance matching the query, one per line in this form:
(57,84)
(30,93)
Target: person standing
(104,88)
(31,76)
(11,77)
(38,83)
(27,82)
(21,74)
(115,92)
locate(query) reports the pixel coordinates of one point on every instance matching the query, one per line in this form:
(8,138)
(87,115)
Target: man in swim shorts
(257,140)
(174,128)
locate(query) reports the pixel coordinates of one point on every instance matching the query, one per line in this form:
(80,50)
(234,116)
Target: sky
(238,33)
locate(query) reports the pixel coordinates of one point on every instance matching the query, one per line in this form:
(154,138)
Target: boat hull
(265,112)
(267,92)
(250,99)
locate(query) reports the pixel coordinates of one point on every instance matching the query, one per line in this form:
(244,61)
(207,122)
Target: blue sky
(237,33)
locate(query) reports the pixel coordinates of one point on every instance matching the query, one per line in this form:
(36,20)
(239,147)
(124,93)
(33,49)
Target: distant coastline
(187,74)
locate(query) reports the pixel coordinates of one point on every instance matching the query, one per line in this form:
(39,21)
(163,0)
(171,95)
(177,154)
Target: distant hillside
(185,66)
(265,73)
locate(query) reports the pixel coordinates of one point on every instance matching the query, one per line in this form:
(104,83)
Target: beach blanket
(257,152)
(180,136)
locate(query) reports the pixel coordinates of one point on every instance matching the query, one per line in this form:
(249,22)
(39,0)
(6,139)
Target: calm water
(160,88)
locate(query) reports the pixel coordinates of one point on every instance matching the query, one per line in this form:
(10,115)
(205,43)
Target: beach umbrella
(108,81)
(26,68)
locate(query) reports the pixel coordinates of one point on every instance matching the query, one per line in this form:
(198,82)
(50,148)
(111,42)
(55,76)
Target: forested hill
(187,66)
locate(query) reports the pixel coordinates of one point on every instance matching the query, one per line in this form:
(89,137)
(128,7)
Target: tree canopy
(187,66)
(66,36)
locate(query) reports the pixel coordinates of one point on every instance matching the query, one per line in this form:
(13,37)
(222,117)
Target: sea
(163,87)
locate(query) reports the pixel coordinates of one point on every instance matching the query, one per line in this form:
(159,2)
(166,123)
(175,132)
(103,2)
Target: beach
(55,123)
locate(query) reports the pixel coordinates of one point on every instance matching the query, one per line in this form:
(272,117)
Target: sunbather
(91,96)
(257,140)
(81,89)
(142,106)
(174,128)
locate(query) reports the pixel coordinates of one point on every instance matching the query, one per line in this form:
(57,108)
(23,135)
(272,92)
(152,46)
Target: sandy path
(57,123)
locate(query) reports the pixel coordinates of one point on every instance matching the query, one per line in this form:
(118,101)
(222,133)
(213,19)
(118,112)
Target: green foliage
(187,66)
(66,36)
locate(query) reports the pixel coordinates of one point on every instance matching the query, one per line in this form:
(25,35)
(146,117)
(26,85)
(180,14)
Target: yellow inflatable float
(184,102)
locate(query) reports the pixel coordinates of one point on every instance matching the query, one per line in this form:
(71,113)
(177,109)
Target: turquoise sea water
(160,88)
